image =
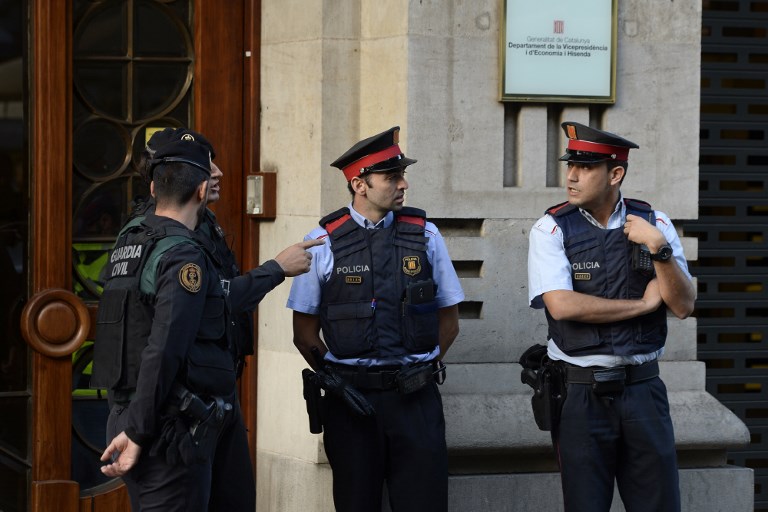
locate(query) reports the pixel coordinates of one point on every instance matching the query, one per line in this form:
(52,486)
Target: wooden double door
(92,80)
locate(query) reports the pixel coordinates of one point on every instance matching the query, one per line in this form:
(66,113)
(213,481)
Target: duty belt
(630,374)
(380,378)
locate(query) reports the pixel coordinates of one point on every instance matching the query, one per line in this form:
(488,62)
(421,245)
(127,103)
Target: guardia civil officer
(247,289)
(231,459)
(385,294)
(162,352)
(606,270)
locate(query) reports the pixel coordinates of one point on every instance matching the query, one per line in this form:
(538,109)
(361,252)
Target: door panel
(15,447)
(102,76)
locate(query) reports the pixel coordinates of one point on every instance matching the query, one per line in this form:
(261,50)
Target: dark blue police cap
(187,151)
(379,153)
(588,145)
(162,137)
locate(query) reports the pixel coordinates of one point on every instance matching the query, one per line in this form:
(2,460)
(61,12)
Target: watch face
(665,253)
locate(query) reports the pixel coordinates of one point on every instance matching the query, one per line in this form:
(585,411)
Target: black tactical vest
(126,310)
(380,298)
(601,266)
(211,236)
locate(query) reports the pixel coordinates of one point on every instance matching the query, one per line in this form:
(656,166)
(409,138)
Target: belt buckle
(609,374)
(609,381)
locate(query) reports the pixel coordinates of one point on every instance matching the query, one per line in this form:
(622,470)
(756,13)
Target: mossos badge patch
(582,276)
(190,277)
(411,265)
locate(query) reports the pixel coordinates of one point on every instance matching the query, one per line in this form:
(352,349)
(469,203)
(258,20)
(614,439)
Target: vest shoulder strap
(412,215)
(132,223)
(641,209)
(149,272)
(561,209)
(341,212)
(333,221)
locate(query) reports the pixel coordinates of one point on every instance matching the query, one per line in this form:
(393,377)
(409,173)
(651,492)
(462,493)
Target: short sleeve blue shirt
(549,269)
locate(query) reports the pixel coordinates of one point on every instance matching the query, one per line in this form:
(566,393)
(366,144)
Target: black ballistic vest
(212,237)
(126,312)
(601,266)
(379,300)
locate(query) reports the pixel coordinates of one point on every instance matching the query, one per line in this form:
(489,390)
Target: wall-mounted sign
(559,50)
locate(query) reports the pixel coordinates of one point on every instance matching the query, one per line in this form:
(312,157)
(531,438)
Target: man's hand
(640,231)
(295,259)
(127,455)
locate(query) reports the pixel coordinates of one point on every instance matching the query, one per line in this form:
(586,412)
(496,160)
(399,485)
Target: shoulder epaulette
(333,220)
(641,209)
(561,209)
(412,216)
(638,204)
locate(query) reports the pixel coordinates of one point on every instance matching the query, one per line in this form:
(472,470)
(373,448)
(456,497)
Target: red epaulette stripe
(410,219)
(331,226)
(321,237)
(556,209)
(660,220)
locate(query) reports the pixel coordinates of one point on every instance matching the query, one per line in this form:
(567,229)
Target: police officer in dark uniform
(151,338)
(385,294)
(606,269)
(231,464)
(247,289)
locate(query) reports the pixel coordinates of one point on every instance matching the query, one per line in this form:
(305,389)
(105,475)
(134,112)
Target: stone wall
(334,72)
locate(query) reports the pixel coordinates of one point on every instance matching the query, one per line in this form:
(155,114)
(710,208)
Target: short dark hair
(619,163)
(145,164)
(176,182)
(364,177)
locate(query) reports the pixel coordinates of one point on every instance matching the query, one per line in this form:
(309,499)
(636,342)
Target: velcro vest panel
(601,266)
(126,308)
(364,310)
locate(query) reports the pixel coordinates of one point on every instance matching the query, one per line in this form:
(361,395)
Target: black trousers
(402,445)
(626,438)
(225,483)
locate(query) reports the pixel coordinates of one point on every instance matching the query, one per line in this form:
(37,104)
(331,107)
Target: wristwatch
(664,254)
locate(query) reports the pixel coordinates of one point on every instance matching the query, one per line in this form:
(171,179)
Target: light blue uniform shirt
(306,290)
(549,269)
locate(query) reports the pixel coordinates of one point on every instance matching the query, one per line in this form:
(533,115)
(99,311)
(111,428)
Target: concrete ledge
(702,490)
(477,423)
(286,484)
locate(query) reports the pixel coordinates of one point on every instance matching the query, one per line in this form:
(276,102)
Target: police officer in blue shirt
(385,294)
(606,270)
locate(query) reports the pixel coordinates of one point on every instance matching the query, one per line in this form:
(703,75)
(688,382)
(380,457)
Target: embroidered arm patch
(191,277)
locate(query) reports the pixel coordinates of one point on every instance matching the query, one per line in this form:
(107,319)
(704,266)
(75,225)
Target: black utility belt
(627,375)
(404,379)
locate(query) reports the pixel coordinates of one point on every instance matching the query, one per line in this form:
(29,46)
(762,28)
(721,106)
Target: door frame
(50,142)
(55,322)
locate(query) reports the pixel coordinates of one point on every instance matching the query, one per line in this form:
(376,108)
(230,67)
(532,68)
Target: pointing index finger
(311,243)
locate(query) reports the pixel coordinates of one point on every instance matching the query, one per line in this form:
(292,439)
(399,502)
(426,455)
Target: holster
(312,396)
(547,378)
(190,428)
